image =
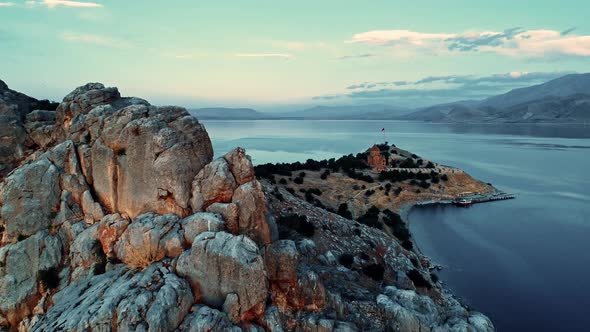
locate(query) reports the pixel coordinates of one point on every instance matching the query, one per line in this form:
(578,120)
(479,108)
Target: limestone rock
(19,271)
(219,264)
(214,183)
(90,207)
(240,165)
(252,212)
(230,213)
(200,222)
(154,299)
(203,318)
(281,258)
(149,239)
(86,255)
(110,230)
(30,196)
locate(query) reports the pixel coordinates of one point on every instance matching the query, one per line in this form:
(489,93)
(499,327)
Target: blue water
(523,262)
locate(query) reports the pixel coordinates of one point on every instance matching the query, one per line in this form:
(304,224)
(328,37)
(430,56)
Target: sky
(268,53)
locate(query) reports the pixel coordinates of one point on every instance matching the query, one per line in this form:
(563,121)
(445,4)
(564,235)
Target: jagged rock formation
(117,218)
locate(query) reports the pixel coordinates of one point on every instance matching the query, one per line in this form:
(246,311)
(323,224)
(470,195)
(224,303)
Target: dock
(481,198)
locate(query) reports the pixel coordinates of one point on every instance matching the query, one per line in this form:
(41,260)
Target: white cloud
(387,37)
(94,39)
(6,4)
(65,3)
(264,55)
(511,42)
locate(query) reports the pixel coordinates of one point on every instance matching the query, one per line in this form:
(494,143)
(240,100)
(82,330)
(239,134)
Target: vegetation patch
(374,271)
(418,279)
(297,223)
(346,260)
(49,278)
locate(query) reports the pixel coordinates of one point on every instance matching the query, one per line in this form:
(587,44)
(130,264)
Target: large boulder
(230,213)
(200,222)
(253,221)
(214,184)
(149,239)
(219,264)
(240,165)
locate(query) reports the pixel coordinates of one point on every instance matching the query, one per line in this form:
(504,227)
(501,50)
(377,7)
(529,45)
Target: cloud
(98,40)
(357,56)
(65,3)
(568,31)
(515,42)
(264,55)
(6,4)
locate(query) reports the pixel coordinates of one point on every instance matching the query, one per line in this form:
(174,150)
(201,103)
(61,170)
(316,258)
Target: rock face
(22,129)
(221,265)
(114,217)
(138,158)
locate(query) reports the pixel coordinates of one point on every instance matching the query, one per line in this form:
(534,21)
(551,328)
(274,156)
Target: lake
(525,262)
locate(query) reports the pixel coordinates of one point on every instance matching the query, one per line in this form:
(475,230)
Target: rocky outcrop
(114,217)
(138,158)
(123,299)
(25,123)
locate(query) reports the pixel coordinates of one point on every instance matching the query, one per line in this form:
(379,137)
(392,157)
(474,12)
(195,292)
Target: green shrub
(346,260)
(49,278)
(283,181)
(418,279)
(298,223)
(374,271)
(298,180)
(344,212)
(371,218)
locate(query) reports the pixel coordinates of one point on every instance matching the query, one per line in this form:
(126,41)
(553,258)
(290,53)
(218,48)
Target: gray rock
(281,258)
(149,239)
(213,184)
(200,222)
(240,165)
(19,271)
(154,299)
(219,264)
(230,213)
(252,212)
(203,318)
(30,196)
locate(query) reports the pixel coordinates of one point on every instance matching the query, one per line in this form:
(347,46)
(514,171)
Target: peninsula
(114,216)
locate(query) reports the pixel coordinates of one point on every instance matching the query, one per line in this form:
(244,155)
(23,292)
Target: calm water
(523,262)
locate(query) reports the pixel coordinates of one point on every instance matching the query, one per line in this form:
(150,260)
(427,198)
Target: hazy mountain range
(562,100)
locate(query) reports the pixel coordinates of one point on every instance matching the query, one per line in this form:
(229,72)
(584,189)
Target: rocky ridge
(114,216)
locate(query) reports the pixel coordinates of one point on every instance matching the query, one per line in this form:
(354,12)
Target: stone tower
(375,159)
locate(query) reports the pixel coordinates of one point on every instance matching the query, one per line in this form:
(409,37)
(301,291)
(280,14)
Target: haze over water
(523,262)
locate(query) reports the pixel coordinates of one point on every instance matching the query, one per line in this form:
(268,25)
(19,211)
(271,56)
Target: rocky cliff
(114,216)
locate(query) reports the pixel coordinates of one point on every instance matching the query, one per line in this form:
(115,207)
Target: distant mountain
(560,87)
(222,113)
(565,99)
(347,112)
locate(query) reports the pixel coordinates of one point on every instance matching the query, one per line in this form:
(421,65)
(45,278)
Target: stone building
(376,159)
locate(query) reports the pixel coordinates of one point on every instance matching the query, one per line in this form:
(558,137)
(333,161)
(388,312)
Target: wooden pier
(481,198)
